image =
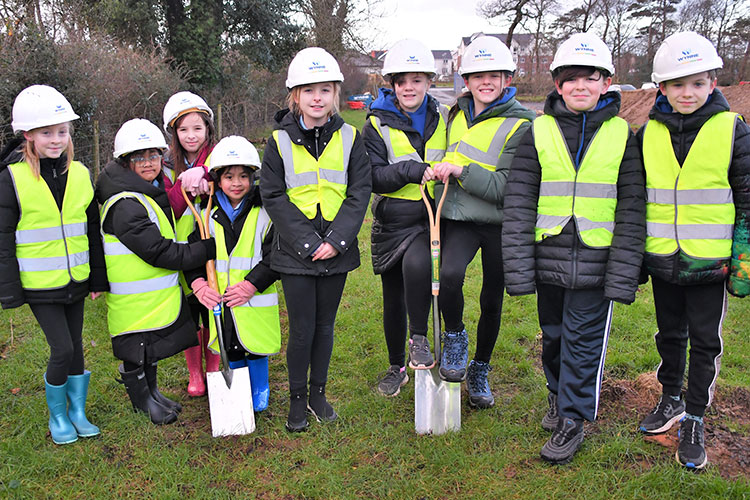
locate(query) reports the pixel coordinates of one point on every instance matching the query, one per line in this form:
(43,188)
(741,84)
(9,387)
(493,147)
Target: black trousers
(311,302)
(694,313)
(575,329)
(406,294)
(62,325)
(461,241)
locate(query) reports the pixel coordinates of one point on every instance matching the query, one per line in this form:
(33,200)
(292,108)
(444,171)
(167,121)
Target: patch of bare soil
(637,103)
(727,421)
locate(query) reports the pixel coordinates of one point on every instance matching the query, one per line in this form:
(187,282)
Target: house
(443,64)
(522,48)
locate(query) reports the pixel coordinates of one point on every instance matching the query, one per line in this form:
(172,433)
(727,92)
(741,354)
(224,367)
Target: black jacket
(296,236)
(396,222)
(128,220)
(564,260)
(12,293)
(680,268)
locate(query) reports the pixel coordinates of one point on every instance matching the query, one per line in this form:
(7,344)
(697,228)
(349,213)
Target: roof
(442,54)
(519,38)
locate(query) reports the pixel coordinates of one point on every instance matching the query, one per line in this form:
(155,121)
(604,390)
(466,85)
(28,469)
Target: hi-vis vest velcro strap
(311,183)
(256,322)
(400,149)
(141,297)
(483,143)
(588,194)
(52,247)
(690,207)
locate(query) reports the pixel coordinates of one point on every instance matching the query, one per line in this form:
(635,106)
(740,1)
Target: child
(316,185)
(697,159)
(190,123)
(485,126)
(405,132)
(147,313)
(244,237)
(50,253)
(574,231)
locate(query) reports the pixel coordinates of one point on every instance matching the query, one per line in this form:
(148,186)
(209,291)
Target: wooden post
(96,150)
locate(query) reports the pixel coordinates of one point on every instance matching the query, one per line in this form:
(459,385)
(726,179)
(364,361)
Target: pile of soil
(637,103)
(727,420)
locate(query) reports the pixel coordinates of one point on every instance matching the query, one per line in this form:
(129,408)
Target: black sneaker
(564,443)
(391,383)
(691,452)
(420,357)
(549,421)
(297,419)
(318,405)
(667,413)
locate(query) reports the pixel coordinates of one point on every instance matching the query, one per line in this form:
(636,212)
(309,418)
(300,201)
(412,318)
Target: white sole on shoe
(665,427)
(690,465)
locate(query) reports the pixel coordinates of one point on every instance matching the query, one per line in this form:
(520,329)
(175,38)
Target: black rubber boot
(318,406)
(153,387)
(137,387)
(297,420)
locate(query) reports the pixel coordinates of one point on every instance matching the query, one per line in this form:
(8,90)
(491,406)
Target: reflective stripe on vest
(52,246)
(590,193)
(141,297)
(400,149)
(311,182)
(256,321)
(690,207)
(482,143)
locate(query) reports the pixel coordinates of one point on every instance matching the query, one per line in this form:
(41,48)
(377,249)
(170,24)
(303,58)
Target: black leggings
(311,302)
(62,325)
(406,292)
(460,243)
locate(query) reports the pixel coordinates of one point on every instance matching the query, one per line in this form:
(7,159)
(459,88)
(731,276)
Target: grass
(372,451)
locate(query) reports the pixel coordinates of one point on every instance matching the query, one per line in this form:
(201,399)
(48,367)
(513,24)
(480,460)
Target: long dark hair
(177,152)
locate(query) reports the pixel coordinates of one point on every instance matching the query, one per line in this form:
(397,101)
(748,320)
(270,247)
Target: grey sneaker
(666,413)
(564,443)
(393,380)
(549,421)
(420,357)
(691,452)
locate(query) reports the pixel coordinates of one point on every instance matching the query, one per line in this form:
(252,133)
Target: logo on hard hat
(60,109)
(688,56)
(144,137)
(412,60)
(316,67)
(484,55)
(232,153)
(584,48)
(185,100)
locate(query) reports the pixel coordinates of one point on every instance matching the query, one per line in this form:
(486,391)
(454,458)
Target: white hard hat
(234,150)
(683,54)
(313,65)
(40,106)
(486,53)
(183,103)
(583,49)
(136,135)
(409,56)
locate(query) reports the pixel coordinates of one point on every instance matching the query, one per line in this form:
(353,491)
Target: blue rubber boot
(60,426)
(238,364)
(259,382)
(454,357)
(78,389)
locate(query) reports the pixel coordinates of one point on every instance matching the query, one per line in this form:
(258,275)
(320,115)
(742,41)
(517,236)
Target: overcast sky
(440,24)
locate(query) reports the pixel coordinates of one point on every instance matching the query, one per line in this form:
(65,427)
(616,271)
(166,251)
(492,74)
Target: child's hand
(428,174)
(324,251)
(444,170)
(205,294)
(239,293)
(95,295)
(193,181)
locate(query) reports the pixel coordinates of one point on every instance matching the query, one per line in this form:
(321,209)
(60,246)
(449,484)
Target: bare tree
(579,19)
(518,9)
(537,22)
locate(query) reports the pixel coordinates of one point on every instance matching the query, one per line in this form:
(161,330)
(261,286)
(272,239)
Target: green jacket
(478,196)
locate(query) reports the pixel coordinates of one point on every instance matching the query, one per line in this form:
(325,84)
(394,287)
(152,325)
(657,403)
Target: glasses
(143,159)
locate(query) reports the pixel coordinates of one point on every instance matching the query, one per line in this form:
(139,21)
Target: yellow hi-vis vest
(141,297)
(690,208)
(589,194)
(52,246)
(257,320)
(311,182)
(483,143)
(184,225)
(400,149)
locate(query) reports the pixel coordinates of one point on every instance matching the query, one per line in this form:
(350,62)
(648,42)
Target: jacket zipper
(62,229)
(675,270)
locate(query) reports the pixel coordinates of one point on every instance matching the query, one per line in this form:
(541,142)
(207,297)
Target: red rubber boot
(193,356)
(212,360)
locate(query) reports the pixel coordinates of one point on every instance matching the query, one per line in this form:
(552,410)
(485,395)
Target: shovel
(229,394)
(437,403)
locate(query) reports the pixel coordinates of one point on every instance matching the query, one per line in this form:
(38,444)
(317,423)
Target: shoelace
(562,436)
(454,348)
(478,378)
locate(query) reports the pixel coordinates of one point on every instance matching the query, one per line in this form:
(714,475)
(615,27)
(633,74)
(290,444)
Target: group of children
(564,205)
